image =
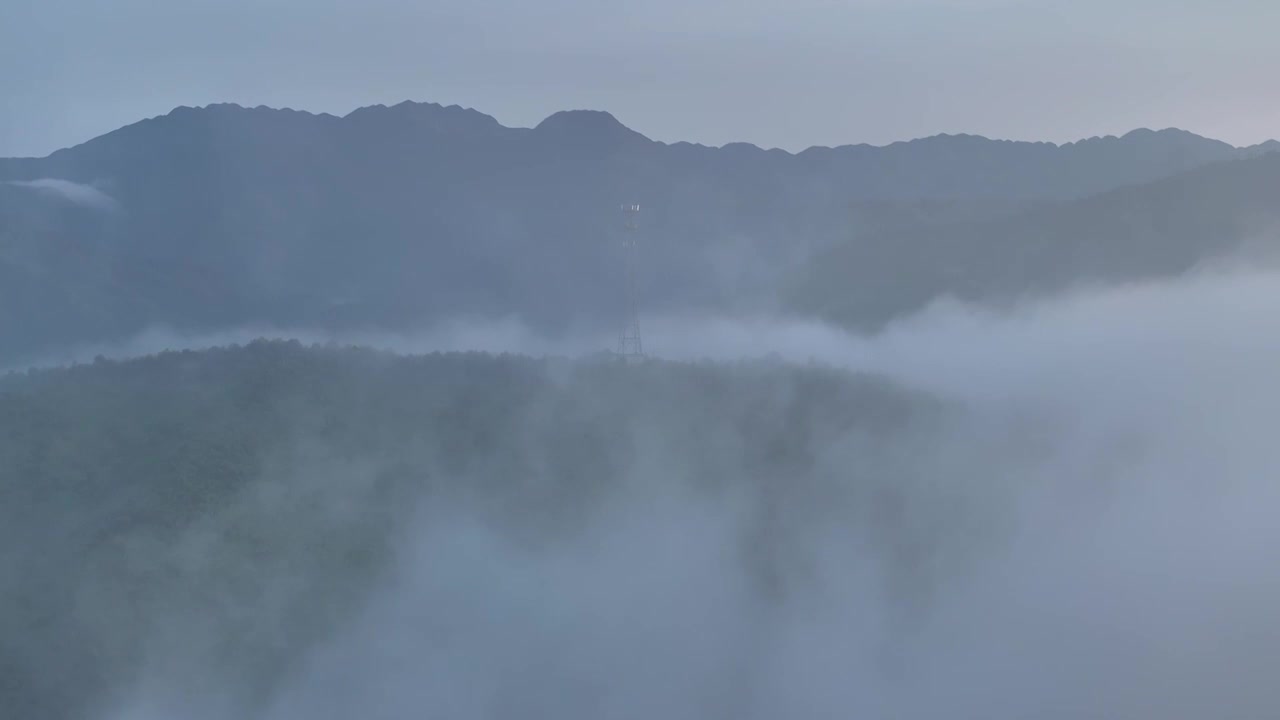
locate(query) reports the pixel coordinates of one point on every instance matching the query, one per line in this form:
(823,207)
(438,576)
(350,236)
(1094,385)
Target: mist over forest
(309,417)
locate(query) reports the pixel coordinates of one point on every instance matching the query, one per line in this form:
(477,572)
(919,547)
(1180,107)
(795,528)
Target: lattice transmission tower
(630,346)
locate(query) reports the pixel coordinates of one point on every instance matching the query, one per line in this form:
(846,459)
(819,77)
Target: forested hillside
(201,520)
(1217,214)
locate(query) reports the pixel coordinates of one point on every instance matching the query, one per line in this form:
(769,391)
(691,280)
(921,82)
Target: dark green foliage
(226,509)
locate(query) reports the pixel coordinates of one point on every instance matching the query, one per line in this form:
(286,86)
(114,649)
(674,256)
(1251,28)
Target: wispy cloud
(73,192)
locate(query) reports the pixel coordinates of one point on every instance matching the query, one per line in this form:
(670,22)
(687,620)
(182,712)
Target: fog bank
(1090,536)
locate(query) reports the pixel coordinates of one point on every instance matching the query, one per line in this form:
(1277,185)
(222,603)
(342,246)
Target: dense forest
(212,515)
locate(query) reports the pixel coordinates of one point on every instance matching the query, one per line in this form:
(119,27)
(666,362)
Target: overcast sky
(781,73)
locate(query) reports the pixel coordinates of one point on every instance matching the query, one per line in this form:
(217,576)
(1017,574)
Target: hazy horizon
(787,75)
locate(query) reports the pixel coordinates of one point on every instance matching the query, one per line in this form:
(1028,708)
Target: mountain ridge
(367,110)
(397,217)
(1160,229)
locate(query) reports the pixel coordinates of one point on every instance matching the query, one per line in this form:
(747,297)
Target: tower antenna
(630,346)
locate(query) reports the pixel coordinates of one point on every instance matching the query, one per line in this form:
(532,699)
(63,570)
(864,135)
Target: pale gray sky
(778,73)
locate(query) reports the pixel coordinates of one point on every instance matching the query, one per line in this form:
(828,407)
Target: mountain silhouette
(1144,232)
(395,217)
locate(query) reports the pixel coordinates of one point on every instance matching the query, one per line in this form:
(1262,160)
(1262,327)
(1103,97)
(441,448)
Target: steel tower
(630,346)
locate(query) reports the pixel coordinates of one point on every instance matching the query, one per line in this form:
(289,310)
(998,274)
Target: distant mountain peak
(1263,148)
(425,115)
(1164,133)
(587,125)
(230,108)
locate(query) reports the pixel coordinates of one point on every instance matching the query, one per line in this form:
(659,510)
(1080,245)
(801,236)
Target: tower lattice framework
(630,346)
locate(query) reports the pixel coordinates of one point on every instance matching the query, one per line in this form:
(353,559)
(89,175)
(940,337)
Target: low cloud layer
(1095,528)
